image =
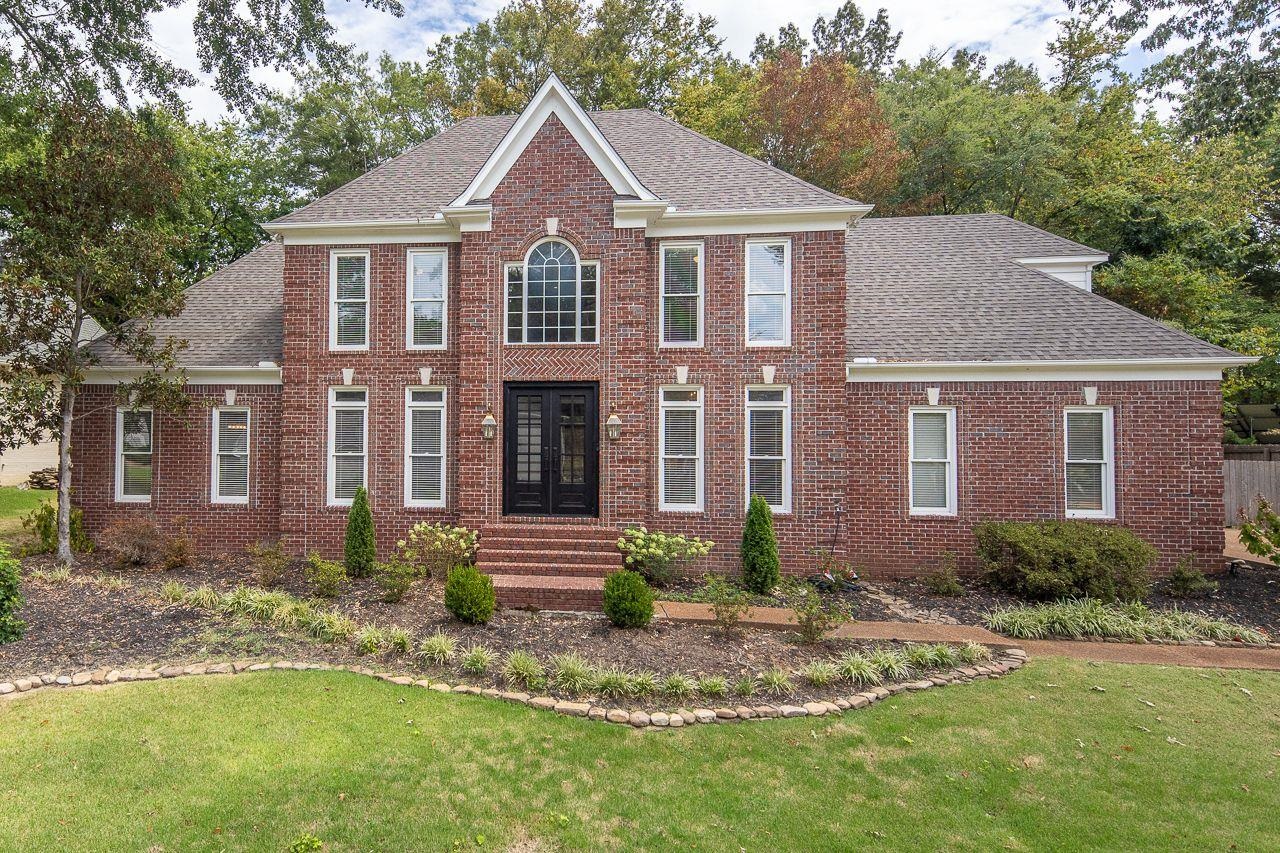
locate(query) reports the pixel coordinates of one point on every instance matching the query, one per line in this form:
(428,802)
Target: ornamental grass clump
(477,660)
(205,597)
(469,595)
(172,592)
(678,686)
(854,667)
(612,683)
(628,600)
(775,682)
(398,640)
(438,649)
(890,663)
(359,549)
(370,640)
(1081,618)
(713,686)
(744,686)
(571,673)
(820,673)
(524,670)
(644,684)
(972,653)
(661,557)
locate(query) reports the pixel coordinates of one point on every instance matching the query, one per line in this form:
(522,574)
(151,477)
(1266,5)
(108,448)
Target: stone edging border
(1008,661)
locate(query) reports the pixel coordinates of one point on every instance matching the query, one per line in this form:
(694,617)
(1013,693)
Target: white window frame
(788,285)
(215,451)
(700,449)
(1108,463)
(334,254)
(696,343)
(409,408)
(334,406)
(787,454)
(951,461)
(120,496)
(523,266)
(443,300)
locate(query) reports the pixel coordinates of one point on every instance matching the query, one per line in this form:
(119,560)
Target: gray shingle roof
(678,165)
(233,318)
(947,288)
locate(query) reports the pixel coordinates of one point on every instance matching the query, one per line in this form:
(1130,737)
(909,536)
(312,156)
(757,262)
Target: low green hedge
(1049,560)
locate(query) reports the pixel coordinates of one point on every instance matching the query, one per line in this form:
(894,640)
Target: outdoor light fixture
(613,427)
(489,427)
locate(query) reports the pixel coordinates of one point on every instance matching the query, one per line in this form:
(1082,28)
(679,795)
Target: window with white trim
(1090,462)
(768,293)
(134,446)
(681,271)
(348,443)
(769,445)
(552,296)
(424,447)
(428,298)
(230,455)
(348,299)
(932,439)
(681,449)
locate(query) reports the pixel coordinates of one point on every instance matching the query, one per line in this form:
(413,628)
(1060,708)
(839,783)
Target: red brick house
(554,325)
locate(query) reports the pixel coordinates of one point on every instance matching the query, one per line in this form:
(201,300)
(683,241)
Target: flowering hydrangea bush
(660,557)
(439,547)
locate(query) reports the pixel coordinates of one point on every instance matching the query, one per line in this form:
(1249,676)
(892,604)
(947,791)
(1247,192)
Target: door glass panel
(529,438)
(573,439)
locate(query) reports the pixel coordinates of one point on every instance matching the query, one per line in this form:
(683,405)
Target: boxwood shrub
(468,595)
(1046,560)
(628,600)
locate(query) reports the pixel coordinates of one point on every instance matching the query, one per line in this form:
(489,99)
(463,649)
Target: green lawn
(1040,760)
(14,504)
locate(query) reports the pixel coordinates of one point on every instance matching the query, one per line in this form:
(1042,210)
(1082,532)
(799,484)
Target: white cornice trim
(1091,260)
(1101,370)
(469,217)
(431,229)
(695,223)
(553,98)
(195,375)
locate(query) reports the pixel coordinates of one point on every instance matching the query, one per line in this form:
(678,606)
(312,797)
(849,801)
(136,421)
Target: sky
(1002,29)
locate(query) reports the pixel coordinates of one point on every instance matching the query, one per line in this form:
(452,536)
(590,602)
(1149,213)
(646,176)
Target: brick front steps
(550,564)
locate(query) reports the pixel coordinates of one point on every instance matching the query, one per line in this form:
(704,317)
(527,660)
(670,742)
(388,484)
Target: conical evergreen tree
(360,551)
(761,570)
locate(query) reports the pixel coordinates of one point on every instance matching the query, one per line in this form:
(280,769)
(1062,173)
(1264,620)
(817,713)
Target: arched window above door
(552,296)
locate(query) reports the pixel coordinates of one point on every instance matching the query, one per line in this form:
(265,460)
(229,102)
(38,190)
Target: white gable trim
(1075,270)
(553,98)
(1115,370)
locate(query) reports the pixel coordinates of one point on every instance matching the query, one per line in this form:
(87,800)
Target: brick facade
(848,441)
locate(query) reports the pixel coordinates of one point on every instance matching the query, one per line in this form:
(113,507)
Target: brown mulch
(861,606)
(84,624)
(1248,597)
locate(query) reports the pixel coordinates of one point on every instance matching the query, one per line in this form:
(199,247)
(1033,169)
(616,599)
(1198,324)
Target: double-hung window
(428,295)
(932,437)
(348,299)
(348,443)
(424,447)
(552,296)
(1090,463)
(768,293)
(769,445)
(680,454)
(230,455)
(134,446)
(682,294)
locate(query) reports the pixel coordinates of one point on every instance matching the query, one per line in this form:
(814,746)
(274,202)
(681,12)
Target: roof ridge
(742,154)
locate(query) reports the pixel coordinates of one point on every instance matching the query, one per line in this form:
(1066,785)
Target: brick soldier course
(885,315)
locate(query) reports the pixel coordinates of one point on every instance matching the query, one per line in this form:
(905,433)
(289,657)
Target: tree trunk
(65,556)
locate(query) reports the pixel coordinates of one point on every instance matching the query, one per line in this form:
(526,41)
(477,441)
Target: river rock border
(1008,661)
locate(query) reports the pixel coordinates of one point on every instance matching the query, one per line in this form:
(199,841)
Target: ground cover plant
(1104,757)
(1082,618)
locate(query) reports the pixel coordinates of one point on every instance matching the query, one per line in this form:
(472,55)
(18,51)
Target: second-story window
(681,294)
(348,300)
(551,297)
(428,288)
(768,293)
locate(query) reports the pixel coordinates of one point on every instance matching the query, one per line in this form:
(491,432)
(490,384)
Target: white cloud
(1003,29)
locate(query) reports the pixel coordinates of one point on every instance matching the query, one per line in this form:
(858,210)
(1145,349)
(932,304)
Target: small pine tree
(359,552)
(761,570)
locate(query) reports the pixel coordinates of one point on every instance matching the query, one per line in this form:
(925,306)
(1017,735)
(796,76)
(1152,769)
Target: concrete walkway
(782,619)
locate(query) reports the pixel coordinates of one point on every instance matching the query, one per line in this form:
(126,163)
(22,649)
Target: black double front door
(551,449)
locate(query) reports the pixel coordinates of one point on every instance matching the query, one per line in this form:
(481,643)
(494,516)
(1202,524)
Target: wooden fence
(1250,470)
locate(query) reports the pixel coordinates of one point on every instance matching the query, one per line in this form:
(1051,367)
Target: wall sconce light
(1090,395)
(767,372)
(613,426)
(682,374)
(424,374)
(348,374)
(230,396)
(934,394)
(489,427)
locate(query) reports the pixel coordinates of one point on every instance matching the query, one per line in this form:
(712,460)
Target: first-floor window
(424,447)
(230,455)
(680,454)
(1090,463)
(933,461)
(769,446)
(348,443)
(134,446)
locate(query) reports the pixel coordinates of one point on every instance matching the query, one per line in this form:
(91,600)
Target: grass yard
(1158,759)
(14,504)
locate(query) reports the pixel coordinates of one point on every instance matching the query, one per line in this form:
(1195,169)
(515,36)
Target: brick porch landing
(550,564)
